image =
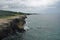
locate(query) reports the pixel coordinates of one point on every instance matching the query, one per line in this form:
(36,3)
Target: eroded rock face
(10,27)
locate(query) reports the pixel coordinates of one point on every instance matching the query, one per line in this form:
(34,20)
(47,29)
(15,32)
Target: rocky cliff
(11,25)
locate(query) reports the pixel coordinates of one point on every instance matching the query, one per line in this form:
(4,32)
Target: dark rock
(11,27)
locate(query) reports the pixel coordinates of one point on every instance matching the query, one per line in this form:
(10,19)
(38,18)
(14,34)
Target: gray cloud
(23,5)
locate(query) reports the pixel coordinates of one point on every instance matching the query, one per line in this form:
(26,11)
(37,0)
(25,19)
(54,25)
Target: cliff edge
(10,25)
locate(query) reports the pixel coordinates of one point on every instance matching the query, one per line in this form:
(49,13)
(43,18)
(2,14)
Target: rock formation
(10,26)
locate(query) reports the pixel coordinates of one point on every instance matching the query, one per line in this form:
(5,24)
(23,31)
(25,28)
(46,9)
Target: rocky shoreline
(10,26)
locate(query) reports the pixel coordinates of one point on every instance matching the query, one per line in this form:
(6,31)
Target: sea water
(41,27)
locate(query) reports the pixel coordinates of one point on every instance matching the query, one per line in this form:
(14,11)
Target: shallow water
(41,27)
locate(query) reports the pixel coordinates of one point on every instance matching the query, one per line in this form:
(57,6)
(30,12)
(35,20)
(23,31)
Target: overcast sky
(35,6)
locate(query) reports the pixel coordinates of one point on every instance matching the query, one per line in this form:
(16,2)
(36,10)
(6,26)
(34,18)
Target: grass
(9,16)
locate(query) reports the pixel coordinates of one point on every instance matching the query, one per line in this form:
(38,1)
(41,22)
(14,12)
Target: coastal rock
(8,27)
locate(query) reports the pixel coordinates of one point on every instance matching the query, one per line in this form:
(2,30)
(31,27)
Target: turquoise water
(42,27)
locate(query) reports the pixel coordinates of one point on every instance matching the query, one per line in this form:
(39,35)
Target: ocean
(41,27)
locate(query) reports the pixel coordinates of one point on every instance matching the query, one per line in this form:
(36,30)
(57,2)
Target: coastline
(11,24)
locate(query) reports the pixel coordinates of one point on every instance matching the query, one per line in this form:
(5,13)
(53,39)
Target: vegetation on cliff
(4,13)
(10,22)
(9,27)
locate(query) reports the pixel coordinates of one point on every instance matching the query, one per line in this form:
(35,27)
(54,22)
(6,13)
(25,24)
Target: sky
(31,6)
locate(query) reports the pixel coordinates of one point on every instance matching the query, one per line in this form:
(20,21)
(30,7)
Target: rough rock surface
(10,26)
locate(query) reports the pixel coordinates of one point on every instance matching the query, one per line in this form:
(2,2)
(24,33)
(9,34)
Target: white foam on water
(26,28)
